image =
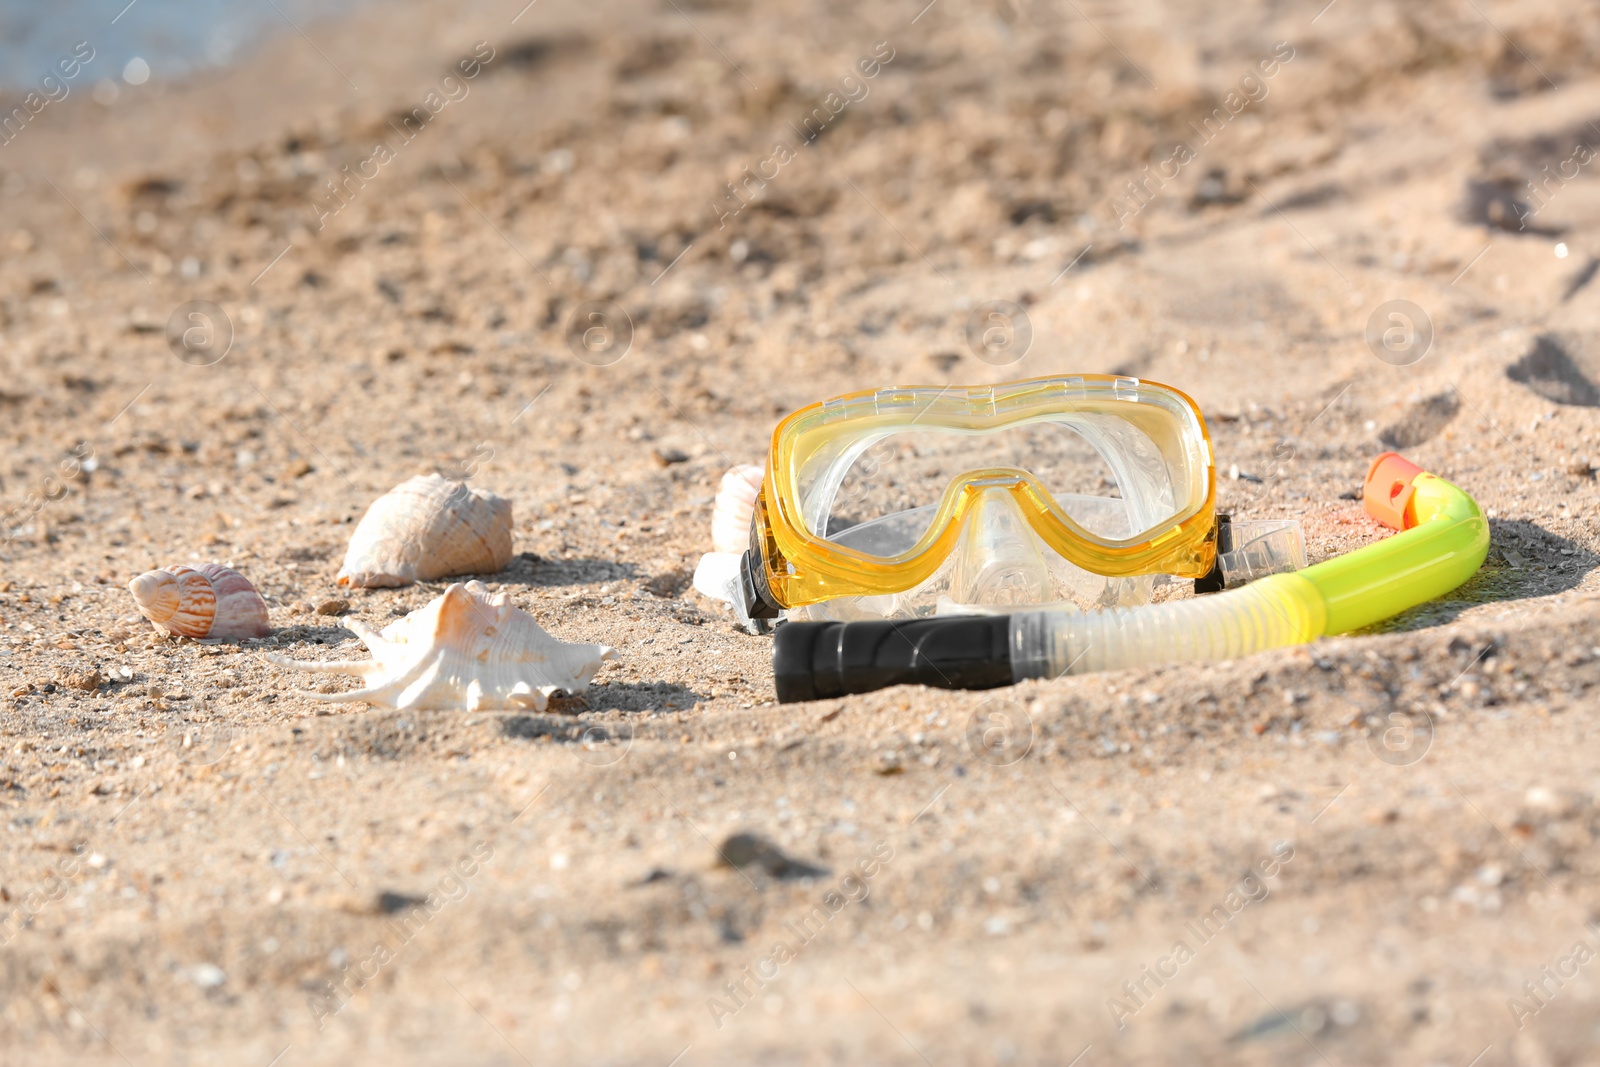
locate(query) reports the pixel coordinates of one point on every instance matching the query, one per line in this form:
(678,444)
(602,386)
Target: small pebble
(88,680)
(207,975)
(1549,801)
(333,607)
(747,851)
(387,902)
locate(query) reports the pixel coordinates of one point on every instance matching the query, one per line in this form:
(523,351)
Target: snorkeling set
(969,538)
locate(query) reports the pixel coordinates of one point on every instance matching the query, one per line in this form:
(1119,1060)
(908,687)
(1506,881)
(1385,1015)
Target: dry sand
(193,856)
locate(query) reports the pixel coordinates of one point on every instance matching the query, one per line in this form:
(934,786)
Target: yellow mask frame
(799,566)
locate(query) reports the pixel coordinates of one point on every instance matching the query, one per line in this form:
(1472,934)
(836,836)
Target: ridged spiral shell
(427,528)
(464,650)
(735,504)
(205,601)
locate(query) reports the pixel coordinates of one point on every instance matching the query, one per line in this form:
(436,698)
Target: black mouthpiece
(818,660)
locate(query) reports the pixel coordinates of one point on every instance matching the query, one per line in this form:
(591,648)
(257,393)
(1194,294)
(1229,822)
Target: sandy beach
(392,231)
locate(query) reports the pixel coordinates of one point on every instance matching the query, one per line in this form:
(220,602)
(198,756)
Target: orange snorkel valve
(1388,490)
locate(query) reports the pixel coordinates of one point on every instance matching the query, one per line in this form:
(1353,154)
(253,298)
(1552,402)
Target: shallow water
(172,37)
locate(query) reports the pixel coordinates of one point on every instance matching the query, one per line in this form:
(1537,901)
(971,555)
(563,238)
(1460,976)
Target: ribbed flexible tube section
(1280,610)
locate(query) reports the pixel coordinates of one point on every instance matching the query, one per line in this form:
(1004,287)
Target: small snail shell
(428,528)
(206,601)
(736,503)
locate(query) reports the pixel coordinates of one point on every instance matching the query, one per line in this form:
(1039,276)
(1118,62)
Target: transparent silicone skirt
(878,493)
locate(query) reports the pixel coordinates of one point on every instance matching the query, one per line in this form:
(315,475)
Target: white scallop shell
(464,649)
(428,528)
(736,503)
(206,601)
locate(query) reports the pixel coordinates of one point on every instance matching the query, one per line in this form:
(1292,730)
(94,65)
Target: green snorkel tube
(1442,542)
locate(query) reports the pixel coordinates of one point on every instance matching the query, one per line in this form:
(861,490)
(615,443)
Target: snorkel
(1442,540)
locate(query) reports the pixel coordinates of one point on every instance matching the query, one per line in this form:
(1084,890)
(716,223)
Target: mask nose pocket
(998,559)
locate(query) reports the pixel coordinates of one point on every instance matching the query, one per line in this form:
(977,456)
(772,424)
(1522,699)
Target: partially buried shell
(464,649)
(205,601)
(428,528)
(736,502)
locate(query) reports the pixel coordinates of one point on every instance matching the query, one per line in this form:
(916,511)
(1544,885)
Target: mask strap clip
(1251,549)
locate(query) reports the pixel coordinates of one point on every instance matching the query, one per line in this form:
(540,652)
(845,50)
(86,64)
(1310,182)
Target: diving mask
(899,503)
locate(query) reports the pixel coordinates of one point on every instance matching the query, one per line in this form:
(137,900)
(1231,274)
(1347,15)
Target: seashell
(206,601)
(428,528)
(736,503)
(464,649)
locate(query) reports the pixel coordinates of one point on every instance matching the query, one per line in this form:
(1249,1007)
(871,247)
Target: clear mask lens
(1104,472)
